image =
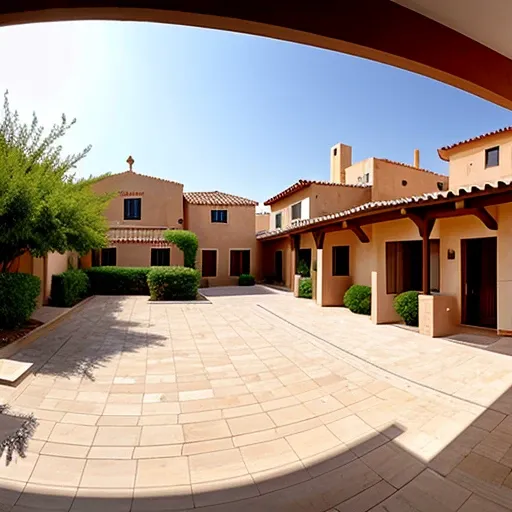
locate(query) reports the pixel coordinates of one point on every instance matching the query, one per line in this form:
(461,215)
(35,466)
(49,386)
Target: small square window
(220,216)
(296,211)
(340,260)
(108,257)
(279,221)
(335,151)
(132,208)
(161,257)
(492,157)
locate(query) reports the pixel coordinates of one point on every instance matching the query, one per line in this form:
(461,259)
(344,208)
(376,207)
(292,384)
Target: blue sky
(221,111)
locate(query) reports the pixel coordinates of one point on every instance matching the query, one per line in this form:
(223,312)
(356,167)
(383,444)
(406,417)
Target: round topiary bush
(305,288)
(358,299)
(246,280)
(406,305)
(18,298)
(173,283)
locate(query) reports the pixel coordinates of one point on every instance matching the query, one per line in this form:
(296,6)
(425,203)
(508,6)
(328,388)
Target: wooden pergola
(422,210)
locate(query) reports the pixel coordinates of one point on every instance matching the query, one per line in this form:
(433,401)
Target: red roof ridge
(302,184)
(442,152)
(410,166)
(217,198)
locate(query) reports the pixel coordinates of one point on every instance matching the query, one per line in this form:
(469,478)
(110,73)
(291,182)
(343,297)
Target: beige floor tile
(288,415)
(367,499)
(70,433)
(478,504)
(484,469)
(119,474)
(154,452)
(220,465)
(199,394)
(117,436)
(195,417)
(161,408)
(204,431)
(80,419)
(124,398)
(244,410)
(161,434)
(110,452)
(57,471)
(159,419)
(19,469)
(350,428)
(118,421)
(162,472)
(309,443)
(208,446)
(268,455)
(122,409)
(65,450)
(248,424)
(102,500)
(91,396)
(224,491)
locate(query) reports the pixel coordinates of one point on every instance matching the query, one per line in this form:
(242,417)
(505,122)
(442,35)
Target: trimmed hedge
(358,299)
(118,280)
(173,283)
(69,288)
(18,298)
(246,280)
(305,288)
(406,305)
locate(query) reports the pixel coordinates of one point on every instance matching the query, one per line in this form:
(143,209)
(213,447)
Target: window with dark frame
(132,208)
(109,257)
(95,258)
(492,157)
(161,257)
(404,262)
(220,216)
(341,260)
(240,262)
(208,263)
(296,211)
(279,220)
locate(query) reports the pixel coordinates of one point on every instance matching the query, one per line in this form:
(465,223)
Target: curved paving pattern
(228,407)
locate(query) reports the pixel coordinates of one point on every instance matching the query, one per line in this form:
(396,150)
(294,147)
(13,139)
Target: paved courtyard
(258,402)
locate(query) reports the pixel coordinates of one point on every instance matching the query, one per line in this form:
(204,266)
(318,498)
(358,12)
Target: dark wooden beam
(488,220)
(358,231)
(295,242)
(429,226)
(319,237)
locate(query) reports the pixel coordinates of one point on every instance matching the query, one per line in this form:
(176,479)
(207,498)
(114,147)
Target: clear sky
(221,111)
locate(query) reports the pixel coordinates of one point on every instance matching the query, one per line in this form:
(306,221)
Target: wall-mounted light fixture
(451,254)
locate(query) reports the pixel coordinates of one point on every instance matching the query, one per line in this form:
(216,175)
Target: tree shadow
(88,340)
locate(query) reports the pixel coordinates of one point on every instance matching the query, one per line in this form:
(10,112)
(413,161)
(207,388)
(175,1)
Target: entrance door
(479,277)
(279,266)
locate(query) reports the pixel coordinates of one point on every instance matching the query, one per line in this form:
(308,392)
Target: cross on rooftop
(130,162)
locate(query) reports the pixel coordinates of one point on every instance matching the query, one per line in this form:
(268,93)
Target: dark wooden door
(479,277)
(279,266)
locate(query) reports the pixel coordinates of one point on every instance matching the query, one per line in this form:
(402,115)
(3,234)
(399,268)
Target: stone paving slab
(257,402)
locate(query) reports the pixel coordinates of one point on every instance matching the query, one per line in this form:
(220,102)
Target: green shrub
(18,298)
(246,280)
(302,269)
(358,299)
(173,283)
(69,288)
(406,305)
(305,288)
(187,242)
(118,280)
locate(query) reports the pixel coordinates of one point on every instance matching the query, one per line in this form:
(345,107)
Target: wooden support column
(318,275)
(295,249)
(427,229)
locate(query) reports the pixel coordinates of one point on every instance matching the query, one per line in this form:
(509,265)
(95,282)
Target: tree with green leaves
(43,206)
(187,242)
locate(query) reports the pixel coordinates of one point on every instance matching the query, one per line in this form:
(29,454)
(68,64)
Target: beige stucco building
(459,225)
(145,207)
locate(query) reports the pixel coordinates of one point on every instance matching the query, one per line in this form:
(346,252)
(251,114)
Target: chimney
(341,158)
(416,158)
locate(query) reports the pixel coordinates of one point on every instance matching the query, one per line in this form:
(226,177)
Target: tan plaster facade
(237,233)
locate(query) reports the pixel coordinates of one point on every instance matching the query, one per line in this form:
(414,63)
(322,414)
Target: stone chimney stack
(341,158)
(416,158)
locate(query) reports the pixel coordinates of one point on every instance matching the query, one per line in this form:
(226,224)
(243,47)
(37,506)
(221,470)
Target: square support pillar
(436,315)
(319,276)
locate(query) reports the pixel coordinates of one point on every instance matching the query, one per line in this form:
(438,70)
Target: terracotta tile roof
(410,166)
(391,204)
(301,184)
(443,152)
(217,198)
(137,235)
